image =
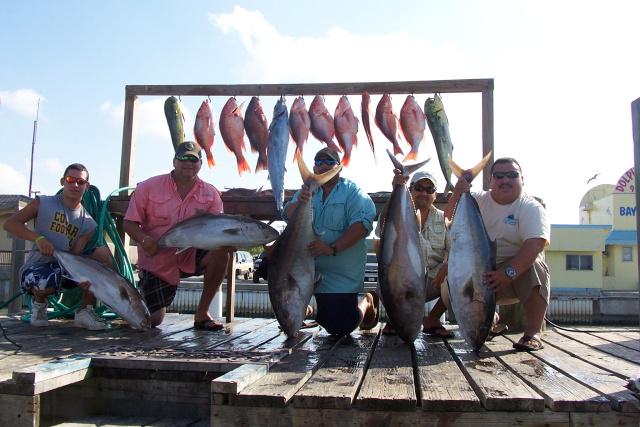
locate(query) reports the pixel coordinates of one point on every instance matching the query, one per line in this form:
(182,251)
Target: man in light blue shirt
(345,214)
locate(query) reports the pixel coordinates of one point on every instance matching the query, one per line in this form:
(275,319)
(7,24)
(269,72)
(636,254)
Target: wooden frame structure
(133,92)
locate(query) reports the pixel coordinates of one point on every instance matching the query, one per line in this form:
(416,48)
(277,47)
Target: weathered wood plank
(238,379)
(389,381)
(267,331)
(497,388)
(605,361)
(591,376)
(603,345)
(289,375)
(226,415)
(560,392)
(51,370)
(621,339)
(19,411)
(443,387)
(434,86)
(335,384)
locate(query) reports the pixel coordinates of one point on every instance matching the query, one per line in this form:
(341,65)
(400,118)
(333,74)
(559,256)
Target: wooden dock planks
(603,345)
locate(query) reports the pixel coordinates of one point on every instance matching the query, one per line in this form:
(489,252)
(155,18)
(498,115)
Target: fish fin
(261,165)
(346,159)
(469,174)
(317,282)
(419,218)
(178,250)
(210,160)
(413,155)
(243,166)
(231,231)
(376,246)
(238,109)
(467,290)
(397,150)
(406,169)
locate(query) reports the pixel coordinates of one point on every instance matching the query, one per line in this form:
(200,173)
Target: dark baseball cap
(189,148)
(329,152)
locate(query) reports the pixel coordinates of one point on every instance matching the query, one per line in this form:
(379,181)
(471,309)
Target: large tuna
(346,127)
(387,122)
(175,120)
(439,127)
(232,132)
(413,123)
(322,123)
(109,286)
(300,124)
(277,150)
(401,263)
(292,279)
(212,231)
(472,253)
(365,110)
(257,128)
(204,130)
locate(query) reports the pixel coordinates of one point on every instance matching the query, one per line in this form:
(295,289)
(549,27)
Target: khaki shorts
(521,288)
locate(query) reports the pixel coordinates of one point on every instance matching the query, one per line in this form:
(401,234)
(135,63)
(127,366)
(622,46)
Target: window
(627,253)
(579,262)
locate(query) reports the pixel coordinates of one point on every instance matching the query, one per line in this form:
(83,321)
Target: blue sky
(565,75)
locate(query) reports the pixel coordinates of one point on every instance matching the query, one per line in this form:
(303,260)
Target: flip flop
(438,331)
(496,331)
(525,344)
(308,325)
(207,325)
(373,321)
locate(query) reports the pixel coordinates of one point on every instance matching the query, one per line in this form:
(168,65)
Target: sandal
(496,331)
(207,325)
(369,321)
(528,343)
(438,331)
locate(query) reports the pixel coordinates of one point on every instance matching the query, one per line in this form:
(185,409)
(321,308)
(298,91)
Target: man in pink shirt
(156,205)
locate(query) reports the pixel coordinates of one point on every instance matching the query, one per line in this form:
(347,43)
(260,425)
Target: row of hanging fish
(339,132)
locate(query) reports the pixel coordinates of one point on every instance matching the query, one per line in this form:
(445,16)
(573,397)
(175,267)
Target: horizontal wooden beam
(434,86)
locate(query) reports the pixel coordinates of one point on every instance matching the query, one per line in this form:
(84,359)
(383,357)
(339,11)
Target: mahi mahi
(277,146)
(109,286)
(472,254)
(439,127)
(292,280)
(401,263)
(212,231)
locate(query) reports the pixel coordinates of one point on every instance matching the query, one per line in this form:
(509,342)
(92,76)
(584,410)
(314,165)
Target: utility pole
(33,146)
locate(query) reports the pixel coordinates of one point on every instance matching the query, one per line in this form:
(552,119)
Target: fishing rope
(589,330)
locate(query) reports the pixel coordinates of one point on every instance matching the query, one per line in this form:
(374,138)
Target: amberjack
(472,253)
(109,286)
(401,263)
(292,279)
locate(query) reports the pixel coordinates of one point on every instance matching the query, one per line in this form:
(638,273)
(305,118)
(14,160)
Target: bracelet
(38,239)
(145,238)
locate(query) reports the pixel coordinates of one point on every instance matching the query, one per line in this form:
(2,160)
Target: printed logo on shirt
(60,225)
(511,220)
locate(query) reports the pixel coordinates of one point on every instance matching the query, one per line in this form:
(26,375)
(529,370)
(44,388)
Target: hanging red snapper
(346,126)
(232,132)
(322,123)
(299,124)
(257,128)
(387,122)
(204,130)
(413,123)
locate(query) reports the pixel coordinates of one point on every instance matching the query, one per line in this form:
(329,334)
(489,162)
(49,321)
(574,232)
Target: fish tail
(262,164)
(471,173)
(396,149)
(210,161)
(346,159)
(333,146)
(243,166)
(413,155)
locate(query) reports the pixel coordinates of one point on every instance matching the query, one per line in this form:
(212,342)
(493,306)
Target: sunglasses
(328,162)
(419,188)
(80,181)
(192,159)
(510,174)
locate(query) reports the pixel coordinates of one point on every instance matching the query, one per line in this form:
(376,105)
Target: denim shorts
(48,275)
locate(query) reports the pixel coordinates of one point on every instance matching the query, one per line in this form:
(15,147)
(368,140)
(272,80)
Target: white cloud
(23,101)
(13,181)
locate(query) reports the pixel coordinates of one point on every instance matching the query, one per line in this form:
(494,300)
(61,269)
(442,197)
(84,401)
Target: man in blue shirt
(345,214)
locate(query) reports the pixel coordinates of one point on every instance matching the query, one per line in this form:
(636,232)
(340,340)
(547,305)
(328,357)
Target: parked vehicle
(371,269)
(257,271)
(244,264)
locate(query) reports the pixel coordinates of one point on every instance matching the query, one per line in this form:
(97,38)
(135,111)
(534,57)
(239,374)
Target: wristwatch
(510,272)
(333,246)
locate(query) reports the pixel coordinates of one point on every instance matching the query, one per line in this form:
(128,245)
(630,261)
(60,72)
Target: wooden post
(635,120)
(128,156)
(17,259)
(487,133)
(231,288)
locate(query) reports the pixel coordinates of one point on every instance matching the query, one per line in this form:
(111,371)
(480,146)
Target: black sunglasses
(419,188)
(329,162)
(510,174)
(192,159)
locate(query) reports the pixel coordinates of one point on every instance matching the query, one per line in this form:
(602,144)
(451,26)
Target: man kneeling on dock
(156,205)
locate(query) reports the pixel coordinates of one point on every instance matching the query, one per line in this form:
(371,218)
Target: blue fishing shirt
(346,205)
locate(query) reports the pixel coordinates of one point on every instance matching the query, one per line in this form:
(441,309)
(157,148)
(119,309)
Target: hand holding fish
(318,247)
(44,246)
(85,286)
(495,280)
(150,246)
(398,178)
(305,195)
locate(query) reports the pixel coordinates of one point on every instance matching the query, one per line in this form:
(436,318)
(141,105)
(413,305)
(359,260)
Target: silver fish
(277,150)
(109,286)
(472,253)
(212,231)
(401,263)
(439,127)
(292,279)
